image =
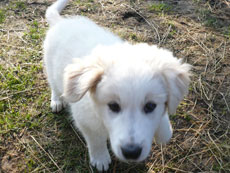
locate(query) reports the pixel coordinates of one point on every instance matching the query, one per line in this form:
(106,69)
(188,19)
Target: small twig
(11,30)
(102,7)
(162,157)
(77,134)
(216,157)
(194,105)
(115,166)
(152,165)
(17,47)
(203,89)
(46,153)
(183,159)
(224,50)
(194,164)
(202,46)
(214,142)
(227,3)
(149,23)
(225,101)
(2,75)
(19,92)
(91,169)
(8,36)
(20,37)
(32,153)
(198,153)
(176,169)
(165,35)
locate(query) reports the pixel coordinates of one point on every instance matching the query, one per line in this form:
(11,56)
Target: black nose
(131,151)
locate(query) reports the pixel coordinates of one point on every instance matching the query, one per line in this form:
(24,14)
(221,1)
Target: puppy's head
(133,87)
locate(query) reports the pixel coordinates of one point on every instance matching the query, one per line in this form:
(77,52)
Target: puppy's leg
(57,104)
(97,147)
(164,131)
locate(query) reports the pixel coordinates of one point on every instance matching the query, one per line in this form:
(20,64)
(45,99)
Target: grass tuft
(160,7)
(20,5)
(2,16)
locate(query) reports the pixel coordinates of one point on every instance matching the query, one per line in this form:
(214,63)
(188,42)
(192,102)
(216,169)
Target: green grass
(35,33)
(209,20)
(2,16)
(160,7)
(18,81)
(20,5)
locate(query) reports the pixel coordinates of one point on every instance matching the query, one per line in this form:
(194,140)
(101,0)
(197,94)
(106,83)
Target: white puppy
(116,90)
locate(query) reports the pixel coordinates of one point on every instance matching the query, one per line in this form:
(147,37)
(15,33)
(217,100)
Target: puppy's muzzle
(131,151)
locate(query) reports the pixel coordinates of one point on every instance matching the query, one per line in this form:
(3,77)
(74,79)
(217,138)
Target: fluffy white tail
(53,12)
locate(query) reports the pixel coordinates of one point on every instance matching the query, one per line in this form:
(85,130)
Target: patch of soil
(12,162)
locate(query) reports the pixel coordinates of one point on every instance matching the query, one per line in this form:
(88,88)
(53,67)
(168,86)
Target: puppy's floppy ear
(79,78)
(177,81)
(164,131)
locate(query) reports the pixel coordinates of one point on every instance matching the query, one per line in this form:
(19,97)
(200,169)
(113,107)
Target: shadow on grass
(70,151)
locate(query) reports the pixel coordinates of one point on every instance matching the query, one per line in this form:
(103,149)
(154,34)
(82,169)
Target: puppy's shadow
(118,166)
(71,153)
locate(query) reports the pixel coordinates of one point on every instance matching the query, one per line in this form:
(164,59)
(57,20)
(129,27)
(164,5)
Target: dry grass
(32,139)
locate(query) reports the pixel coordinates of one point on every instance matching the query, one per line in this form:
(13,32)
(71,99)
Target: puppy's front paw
(101,161)
(57,105)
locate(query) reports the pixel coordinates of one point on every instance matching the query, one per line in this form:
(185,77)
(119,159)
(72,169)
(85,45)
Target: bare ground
(32,139)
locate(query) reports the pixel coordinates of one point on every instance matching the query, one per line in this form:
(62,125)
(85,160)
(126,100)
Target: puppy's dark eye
(114,107)
(149,107)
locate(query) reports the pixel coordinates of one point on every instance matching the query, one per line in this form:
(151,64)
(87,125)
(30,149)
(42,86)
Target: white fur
(89,67)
